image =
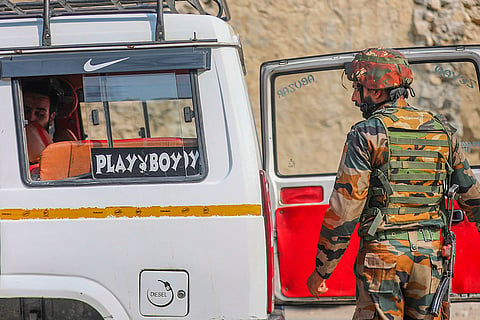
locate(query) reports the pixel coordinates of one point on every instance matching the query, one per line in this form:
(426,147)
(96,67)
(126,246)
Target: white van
(145,201)
(144,195)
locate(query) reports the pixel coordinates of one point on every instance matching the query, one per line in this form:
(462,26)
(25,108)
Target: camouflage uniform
(398,266)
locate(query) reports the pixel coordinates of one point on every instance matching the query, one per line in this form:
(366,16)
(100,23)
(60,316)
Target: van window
(111,126)
(313,112)
(451,89)
(323,113)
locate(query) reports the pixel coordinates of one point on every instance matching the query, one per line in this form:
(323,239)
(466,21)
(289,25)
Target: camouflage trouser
(397,279)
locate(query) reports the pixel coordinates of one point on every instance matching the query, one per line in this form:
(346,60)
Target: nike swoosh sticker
(89,67)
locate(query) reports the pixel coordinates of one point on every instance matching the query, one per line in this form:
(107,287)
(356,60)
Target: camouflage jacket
(366,149)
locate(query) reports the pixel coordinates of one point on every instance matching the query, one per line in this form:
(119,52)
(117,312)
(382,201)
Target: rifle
(448,252)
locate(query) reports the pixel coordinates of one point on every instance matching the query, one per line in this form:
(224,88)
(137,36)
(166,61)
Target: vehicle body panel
(91,241)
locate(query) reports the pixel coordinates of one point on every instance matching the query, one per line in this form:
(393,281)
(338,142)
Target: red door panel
(298,229)
(467,258)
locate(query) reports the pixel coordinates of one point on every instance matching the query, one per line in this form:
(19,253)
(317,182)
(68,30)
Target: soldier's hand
(316,284)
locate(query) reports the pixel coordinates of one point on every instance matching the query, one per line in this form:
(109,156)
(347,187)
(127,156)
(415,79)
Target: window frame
(22,145)
(336,66)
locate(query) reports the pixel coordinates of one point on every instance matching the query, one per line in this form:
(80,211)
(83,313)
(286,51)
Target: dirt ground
(460,311)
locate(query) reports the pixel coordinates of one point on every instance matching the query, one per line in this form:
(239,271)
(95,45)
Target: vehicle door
(307,112)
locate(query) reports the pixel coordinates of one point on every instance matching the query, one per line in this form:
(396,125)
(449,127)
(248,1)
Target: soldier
(394,171)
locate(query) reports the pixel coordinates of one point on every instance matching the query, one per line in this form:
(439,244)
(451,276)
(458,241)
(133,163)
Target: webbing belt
(417,165)
(379,213)
(390,188)
(416,200)
(417,141)
(416,188)
(414,153)
(408,210)
(425,234)
(418,176)
(401,210)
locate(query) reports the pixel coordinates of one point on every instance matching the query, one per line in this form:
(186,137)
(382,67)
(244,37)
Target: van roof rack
(48,8)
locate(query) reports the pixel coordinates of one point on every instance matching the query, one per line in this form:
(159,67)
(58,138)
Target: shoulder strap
(450,130)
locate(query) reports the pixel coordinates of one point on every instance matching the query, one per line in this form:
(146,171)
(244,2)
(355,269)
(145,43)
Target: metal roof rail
(47,8)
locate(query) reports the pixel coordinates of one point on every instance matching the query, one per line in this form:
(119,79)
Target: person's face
(37,109)
(356,93)
(367,95)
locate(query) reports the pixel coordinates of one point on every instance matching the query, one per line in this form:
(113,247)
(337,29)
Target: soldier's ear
(379,93)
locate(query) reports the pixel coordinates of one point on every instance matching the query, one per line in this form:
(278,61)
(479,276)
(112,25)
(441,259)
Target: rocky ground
(460,311)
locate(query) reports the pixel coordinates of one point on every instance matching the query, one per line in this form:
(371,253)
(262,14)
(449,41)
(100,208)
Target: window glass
(452,89)
(313,112)
(122,126)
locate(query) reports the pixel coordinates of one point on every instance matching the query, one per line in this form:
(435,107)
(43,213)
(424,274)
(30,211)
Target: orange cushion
(65,159)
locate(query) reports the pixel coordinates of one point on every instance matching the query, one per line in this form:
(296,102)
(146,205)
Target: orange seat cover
(64,160)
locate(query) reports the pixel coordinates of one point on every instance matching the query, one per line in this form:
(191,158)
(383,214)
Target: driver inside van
(39,109)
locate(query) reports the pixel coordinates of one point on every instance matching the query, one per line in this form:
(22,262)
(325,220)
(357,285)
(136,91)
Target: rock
(469,3)
(446,3)
(420,26)
(430,41)
(457,28)
(435,5)
(429,16)
(475,15)
(435,80)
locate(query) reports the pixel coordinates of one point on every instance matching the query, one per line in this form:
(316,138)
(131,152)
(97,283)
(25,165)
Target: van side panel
(19,33)
(221,255)
(94,241)
(10,160)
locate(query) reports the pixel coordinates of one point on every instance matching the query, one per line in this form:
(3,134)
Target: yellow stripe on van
(132,212)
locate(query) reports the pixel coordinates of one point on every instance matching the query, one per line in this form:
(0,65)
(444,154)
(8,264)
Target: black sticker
(145,162)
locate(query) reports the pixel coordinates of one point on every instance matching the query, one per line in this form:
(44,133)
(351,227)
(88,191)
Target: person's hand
(316,284)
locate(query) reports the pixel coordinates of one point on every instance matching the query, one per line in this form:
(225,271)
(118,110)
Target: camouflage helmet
(379,68)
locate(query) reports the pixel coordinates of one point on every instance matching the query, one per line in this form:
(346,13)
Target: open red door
(306,114)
